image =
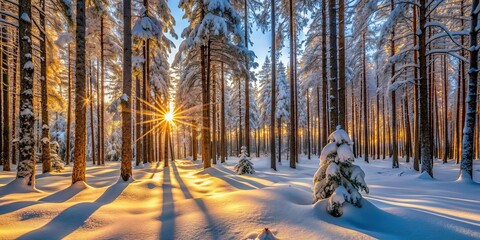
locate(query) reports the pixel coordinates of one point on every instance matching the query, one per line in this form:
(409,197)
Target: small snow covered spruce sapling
(56,161)
(244,165)
(338,179)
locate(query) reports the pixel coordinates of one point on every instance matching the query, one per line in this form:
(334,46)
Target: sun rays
(160,115)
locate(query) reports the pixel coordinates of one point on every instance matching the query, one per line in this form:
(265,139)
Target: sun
(169,116)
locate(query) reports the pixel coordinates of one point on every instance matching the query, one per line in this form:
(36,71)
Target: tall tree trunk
(308,125)
(214,116)
(395,163)
(97,91)
(273,93)
(333,108)
(408,136)
(279,126)
(205,113)
(293,130)
(445,110)
(341,65)
(5,147)
(416,120)
(69,109)
(46,162)
(247,84)
(461,91)
(378,120)
(14,102)
(324,125)
(92,128)
(194,142)
(354,116)
(165,149)
(471,99)
(365,103)
(138,133)
(80,150)
(223,144)
(126,168)
(102,93)
(425,128)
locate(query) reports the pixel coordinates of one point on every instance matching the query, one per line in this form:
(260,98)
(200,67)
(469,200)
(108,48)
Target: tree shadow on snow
(381,224)
(167,217)
(231,178)
(168,210)
(75,216)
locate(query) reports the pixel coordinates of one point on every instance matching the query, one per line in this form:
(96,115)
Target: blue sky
(261,41)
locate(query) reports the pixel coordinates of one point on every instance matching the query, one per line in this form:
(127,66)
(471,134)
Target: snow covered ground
(186,202)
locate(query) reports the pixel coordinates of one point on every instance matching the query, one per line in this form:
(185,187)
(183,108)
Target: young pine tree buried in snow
(244,165)
(338,179)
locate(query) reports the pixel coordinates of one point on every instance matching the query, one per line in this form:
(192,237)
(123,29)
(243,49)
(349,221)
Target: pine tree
(338,179)
(244,166)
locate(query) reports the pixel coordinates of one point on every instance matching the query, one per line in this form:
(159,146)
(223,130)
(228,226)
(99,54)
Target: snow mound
(425,176)
(18,185)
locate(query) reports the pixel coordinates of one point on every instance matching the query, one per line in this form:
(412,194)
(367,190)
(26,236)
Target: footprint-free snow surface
(186,202)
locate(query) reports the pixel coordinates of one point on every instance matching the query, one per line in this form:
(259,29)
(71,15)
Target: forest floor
(186,202)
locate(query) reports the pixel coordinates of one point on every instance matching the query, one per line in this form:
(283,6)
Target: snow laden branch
(446,31)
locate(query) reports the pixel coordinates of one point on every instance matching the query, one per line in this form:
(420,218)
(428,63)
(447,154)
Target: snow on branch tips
(338,179)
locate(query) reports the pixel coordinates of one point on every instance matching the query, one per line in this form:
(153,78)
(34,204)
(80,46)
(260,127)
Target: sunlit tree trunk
(14,103)
(273,93)
(293,130)
(223,144)
(365,103)
(445,111)
(308,125)
(102,91)
(5,146)
(69,109)
(214,116)
(80,150)
(45,141)
(92,112)
(126,166)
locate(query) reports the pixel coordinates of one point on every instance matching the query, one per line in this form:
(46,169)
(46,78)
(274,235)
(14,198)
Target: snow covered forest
(209,119)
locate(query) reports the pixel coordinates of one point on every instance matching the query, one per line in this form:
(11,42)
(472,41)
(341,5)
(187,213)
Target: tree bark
(324,125)
(5,146)
(126,166)
(90,100)
(102,102)
(471,100)
(293,130)
(69,109)
(341,65)
(223,144)
(273,93)
(365,103)
(333,108)
(425,128)
(80,150)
